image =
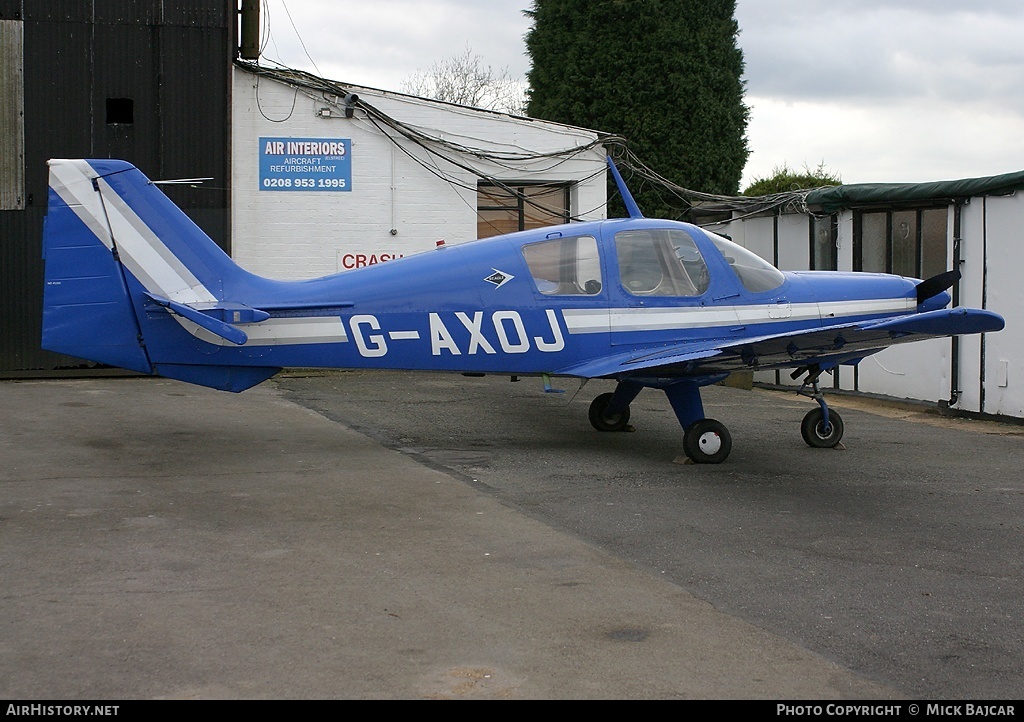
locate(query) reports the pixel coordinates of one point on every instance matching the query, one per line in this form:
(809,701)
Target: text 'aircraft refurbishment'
(132,282)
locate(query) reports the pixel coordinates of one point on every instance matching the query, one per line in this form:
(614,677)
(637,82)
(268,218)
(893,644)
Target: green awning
(863,194)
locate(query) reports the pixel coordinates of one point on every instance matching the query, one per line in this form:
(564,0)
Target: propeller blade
(936,284)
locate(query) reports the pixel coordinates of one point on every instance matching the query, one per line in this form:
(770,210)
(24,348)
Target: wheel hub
(710,443)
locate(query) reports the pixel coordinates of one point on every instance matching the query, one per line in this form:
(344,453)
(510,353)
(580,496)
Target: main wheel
(707,442)
(815,432)
(607,422)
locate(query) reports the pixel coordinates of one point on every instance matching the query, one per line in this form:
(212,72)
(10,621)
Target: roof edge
(859,194)
(310,80)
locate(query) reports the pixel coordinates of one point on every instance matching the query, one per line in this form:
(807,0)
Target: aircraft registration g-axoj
(132,282)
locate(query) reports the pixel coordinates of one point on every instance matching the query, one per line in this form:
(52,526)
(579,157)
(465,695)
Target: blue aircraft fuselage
(132,282)
(474,308)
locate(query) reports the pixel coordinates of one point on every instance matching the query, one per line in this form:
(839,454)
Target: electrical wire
(437,148)
(289,14)
(259,106)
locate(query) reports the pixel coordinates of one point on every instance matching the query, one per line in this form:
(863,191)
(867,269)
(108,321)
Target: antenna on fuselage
(631,207)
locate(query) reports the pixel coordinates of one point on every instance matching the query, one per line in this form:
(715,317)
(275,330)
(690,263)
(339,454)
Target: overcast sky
(876,90)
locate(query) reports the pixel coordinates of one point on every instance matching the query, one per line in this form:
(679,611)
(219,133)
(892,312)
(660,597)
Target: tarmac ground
(164,541)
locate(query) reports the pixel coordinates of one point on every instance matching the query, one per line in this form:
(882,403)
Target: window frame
(520,207)
(673,273)
(570,265)
(814,261)
(921,256)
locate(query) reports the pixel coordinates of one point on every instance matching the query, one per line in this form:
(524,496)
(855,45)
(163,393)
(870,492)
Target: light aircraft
(132,282)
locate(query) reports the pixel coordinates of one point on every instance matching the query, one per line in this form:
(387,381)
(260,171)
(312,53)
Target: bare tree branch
(465,80)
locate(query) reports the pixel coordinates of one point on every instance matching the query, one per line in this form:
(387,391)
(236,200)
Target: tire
(707,442)
(812,428)
(604,422)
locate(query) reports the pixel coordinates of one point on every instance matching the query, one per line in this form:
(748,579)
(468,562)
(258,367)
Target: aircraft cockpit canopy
(651,262)
(755,273)
(565,266)
(660,262)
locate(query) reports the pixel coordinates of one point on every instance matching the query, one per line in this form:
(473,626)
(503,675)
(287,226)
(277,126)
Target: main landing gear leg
(610,412)
(705,441)
(822,427)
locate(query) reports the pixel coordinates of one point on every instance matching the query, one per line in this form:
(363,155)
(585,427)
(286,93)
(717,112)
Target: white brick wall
(304,234)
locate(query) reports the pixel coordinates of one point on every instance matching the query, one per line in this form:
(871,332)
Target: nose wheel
(818,432)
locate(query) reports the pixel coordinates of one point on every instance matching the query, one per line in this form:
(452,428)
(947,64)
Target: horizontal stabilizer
(326,307)
(215,326)
(231,312)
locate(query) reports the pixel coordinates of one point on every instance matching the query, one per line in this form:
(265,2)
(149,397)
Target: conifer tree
(665,74)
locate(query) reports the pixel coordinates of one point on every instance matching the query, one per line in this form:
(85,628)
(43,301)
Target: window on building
(565,266)
(910,242)
(120,111)
(824,240)
(514,207)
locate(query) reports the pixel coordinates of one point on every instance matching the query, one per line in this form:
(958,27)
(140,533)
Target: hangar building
(143,80)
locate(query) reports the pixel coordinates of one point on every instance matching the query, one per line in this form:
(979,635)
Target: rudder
(87,310)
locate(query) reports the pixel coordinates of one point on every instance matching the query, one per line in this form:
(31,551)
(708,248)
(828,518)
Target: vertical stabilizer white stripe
(145,254)
(139,248)
(72,181)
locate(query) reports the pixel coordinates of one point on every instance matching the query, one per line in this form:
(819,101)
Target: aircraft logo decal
(499,278)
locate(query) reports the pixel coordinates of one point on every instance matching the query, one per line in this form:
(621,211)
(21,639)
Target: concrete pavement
(160,540)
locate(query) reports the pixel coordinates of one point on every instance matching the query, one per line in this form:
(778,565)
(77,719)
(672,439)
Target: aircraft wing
(833,344)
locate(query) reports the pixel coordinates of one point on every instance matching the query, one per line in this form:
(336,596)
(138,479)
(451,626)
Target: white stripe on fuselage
(617,320)
(278,331)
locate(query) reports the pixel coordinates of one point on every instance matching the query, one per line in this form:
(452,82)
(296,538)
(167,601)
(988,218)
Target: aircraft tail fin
(115,247)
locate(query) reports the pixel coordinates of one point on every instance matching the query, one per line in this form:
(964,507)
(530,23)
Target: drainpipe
(954,362)
(984,296)
(775,261)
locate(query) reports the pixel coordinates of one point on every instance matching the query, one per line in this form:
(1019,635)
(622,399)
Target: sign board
(305,164)
(347,260)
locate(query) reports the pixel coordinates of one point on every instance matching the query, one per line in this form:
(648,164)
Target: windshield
(755,273)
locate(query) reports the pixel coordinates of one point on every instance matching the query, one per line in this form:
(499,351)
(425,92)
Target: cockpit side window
(565,266)
(755,273)
(660,262)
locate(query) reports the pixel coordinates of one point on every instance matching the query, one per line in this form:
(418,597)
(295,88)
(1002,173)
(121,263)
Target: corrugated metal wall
(143,80)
